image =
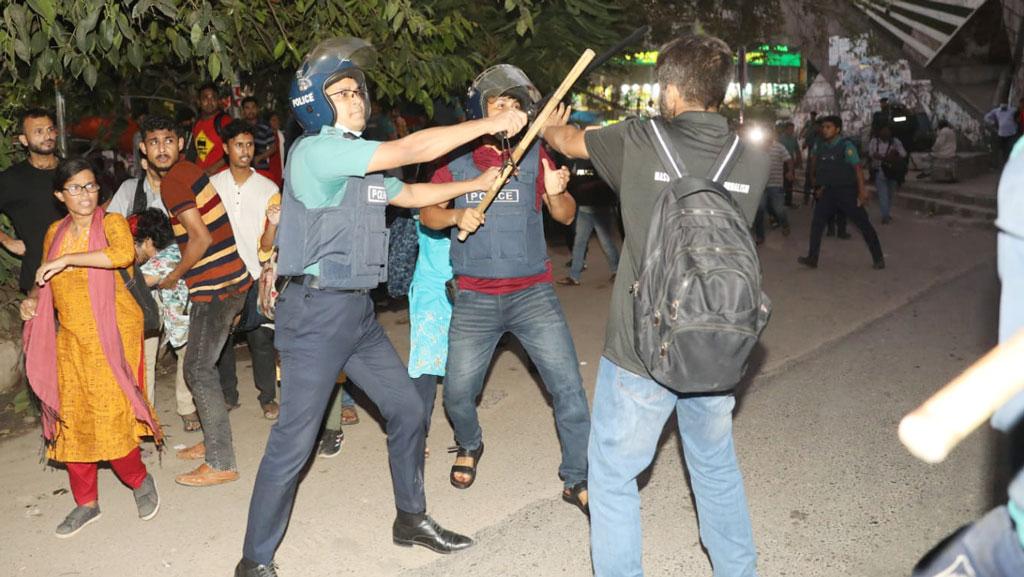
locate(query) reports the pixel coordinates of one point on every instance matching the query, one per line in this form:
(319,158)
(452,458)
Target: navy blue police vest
(511,244)
(350,240)
(832,169)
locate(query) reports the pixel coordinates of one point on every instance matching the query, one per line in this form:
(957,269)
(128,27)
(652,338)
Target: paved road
(848,351)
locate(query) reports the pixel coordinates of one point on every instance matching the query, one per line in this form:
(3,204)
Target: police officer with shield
(333,244)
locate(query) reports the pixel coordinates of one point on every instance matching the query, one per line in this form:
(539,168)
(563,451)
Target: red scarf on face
(40,338)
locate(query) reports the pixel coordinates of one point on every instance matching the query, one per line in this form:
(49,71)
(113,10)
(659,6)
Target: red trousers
(129,468)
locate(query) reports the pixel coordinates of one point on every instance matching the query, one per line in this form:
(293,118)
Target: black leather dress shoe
(247,568)
(427,533)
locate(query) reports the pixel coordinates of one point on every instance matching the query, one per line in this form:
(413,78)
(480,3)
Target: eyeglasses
(77,189)
(349,95)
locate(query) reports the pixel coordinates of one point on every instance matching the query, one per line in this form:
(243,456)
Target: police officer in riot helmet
(332,245)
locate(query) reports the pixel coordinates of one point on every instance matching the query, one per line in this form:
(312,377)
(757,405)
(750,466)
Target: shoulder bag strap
(666,152)
(726,160)
(141,202)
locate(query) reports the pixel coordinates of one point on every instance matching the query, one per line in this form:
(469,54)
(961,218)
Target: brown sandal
(579,496)
(190,422)
(349,415)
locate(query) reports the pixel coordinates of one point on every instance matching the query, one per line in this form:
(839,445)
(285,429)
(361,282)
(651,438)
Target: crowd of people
(174,258)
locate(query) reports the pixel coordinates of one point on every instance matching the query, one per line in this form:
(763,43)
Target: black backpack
(698,308)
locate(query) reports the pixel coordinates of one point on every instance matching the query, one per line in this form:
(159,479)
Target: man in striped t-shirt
(217,281)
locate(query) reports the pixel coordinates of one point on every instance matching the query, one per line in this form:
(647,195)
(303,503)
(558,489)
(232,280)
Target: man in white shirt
(136,195)
(1004,117)
(942,157)
(246,196)
(888,167)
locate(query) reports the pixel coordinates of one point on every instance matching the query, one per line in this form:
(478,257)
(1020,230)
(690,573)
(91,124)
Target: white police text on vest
(506,195)
(376,194)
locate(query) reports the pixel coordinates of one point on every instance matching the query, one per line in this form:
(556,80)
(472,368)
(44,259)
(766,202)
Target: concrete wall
(1013,16)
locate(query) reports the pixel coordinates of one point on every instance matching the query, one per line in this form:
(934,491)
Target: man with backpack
(838,184)
(207,147)
(631,403)
(888,168)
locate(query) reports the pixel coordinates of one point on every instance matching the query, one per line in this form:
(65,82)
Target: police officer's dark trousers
(319,333)
(842,199)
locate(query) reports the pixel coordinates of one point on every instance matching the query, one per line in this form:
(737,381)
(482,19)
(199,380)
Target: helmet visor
(329,52)
(506,80)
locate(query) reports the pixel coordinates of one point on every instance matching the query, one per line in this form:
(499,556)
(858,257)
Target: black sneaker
(77,520)
(879,264)
(247,568)
(147,499)
(330,443)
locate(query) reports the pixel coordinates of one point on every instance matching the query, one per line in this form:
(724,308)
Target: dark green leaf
(135,55)
(140,8)
(77,65)
(22,50)
(43,8)
(38,42)
(214,66)
(125,26)
(89,22)
(107,32)
(89,74)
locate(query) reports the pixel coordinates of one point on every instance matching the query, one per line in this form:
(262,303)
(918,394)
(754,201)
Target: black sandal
(464,469)
(575,496)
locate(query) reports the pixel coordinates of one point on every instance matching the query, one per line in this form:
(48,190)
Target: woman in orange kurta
(99,410)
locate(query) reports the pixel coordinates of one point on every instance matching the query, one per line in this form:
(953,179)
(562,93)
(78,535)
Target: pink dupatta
(40,338)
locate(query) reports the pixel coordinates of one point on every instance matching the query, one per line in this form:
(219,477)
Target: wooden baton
(533,130)
(932,430)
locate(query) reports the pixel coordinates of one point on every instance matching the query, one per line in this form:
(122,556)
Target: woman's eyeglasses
(77,189)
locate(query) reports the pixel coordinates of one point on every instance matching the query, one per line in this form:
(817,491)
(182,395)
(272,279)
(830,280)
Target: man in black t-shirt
(26,192)
(630,408)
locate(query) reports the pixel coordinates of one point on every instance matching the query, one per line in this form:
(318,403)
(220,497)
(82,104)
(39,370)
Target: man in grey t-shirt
(630,408)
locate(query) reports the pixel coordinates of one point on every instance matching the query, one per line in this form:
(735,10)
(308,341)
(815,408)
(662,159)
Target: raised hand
(559,117)
(555,181)
(510,122)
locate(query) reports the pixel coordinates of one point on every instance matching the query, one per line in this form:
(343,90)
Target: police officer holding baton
(333,244)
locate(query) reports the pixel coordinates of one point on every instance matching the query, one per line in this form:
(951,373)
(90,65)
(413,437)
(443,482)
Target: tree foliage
(97,50)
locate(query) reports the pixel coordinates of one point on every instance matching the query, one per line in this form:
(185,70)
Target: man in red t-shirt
(505,285)
(207,142)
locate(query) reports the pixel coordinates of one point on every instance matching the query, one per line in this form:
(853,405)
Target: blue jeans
(590,219)
(886,188)
(630,412)
(535,317)
(774,202)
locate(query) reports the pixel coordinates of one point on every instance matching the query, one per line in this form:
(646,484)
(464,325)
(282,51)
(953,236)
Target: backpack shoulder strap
(218,122)
(140,202)
(670,159)
(727,159)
